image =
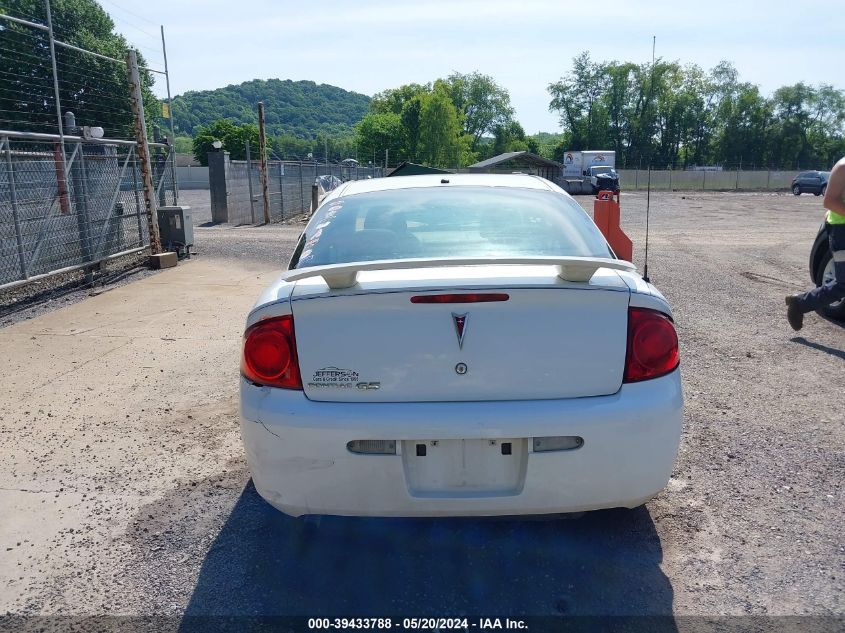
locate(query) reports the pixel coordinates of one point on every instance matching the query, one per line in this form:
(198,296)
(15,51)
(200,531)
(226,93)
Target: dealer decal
(338,378)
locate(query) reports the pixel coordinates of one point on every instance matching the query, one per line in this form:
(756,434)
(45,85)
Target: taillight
(652,345)
(269,354)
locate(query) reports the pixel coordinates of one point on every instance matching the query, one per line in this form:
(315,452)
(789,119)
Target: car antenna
(648,186)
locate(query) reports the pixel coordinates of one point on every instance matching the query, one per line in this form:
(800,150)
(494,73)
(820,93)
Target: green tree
(543,143)
(745,117)
(183,145)
(232,136)
(509,137)
(440,142)
(291,147)
(808,130)
(827,128)
(668,114)
(576,98)
(378,132)
(482,104)
(394,99)
(96,90)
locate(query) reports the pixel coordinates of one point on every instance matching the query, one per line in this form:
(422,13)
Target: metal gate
(59,215)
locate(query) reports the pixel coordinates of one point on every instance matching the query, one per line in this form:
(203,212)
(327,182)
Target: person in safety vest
(834,201)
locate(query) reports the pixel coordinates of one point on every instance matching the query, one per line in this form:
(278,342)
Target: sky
(371,45)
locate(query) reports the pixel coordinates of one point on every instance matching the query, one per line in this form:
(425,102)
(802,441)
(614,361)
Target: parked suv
(814,182)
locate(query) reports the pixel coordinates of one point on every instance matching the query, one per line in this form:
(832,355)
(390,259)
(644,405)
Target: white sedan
(458,345)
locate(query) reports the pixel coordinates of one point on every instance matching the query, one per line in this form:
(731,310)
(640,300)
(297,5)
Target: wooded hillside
(300,108)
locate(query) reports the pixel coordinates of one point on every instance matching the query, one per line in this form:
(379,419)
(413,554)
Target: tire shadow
(264,563)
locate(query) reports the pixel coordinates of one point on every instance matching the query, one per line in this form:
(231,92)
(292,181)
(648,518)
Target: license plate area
(465,468)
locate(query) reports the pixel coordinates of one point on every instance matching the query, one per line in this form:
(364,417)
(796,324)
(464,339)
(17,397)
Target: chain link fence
(71,190)
(288,185)
(52,220)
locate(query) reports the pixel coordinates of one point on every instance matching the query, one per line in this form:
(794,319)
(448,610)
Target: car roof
(522,181)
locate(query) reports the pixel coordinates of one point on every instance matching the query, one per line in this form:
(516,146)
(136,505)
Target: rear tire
(796,190)
(824,274)
(824,189)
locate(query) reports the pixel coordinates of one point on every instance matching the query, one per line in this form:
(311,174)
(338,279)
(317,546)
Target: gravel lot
(153,512)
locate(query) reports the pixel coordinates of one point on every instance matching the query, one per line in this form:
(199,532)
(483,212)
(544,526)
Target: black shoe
(793,313)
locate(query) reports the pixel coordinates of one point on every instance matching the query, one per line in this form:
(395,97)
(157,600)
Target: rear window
(448,221)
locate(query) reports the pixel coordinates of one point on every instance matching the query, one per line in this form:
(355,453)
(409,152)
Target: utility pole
(386,152)
(143,151)
(170,116)
(262,162)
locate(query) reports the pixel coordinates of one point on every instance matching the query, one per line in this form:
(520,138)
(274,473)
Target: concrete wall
(677,180)
(192,177)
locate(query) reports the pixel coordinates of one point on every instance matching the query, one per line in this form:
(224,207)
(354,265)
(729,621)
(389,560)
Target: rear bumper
(297,452)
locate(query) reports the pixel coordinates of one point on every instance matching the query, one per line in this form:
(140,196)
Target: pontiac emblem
(460,327)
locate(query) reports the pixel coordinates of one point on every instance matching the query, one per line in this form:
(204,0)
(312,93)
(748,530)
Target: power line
(140,17)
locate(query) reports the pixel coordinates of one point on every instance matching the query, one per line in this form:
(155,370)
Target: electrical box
(176,228)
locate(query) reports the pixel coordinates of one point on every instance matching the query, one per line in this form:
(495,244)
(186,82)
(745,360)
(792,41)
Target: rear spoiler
(338,276)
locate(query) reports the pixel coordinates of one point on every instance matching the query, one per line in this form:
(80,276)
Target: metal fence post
(172,139)
(301,190)
(282,187)
(249,181)
(80,195)
(14,200)
(59,123)
(162,194)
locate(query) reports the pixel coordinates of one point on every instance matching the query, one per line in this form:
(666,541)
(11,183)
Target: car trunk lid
(549,338)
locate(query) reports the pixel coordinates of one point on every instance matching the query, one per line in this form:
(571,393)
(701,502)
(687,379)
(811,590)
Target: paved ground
(124,488)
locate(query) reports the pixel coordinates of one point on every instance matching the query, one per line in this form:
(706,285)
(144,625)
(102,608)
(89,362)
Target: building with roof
(524,162)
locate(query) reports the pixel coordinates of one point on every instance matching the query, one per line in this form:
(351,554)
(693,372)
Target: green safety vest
(835,218)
